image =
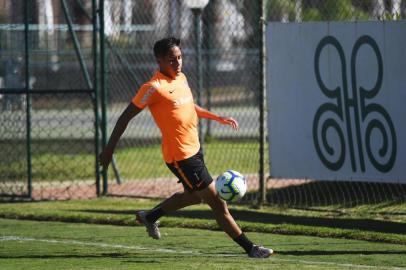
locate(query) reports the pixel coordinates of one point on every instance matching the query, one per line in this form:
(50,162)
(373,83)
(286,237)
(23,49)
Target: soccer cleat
(260,252)
(152,227)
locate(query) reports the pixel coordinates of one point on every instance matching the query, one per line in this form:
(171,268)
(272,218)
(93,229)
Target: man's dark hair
(162,47)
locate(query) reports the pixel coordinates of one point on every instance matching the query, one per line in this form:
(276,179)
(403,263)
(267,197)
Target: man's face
(171,64)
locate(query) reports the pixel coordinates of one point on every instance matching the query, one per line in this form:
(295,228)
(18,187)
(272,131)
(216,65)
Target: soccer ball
(231,186)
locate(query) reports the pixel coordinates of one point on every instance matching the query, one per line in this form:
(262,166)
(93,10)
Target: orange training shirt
(172,107)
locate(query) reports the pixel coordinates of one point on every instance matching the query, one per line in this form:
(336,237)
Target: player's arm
(202,113)
(129,113)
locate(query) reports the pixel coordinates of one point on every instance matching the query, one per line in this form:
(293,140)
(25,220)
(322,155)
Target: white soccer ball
(231,186)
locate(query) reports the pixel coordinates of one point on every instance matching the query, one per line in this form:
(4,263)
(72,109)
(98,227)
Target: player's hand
(229,121)
(105,157)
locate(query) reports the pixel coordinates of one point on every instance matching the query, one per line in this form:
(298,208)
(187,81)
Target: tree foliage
(327,10)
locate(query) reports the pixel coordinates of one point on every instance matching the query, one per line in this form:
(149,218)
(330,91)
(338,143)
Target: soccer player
(170,101)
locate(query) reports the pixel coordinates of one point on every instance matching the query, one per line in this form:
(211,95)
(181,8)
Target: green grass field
(56,245)
(101,234)
(382,223)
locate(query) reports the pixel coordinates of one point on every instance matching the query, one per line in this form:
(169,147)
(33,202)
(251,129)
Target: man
(169,98)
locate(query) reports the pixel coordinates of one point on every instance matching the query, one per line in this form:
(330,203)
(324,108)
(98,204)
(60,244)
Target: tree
(396,9)
(378,10)
(46,24)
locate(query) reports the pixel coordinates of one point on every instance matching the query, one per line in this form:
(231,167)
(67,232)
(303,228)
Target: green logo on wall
(336,115)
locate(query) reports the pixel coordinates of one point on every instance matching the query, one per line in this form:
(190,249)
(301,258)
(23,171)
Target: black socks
(155,214)
(244,242)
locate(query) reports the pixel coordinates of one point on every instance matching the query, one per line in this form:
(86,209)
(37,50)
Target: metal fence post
(197,12)
(103,89)
(208,46)
(28,97)
(262,104)
(96,95)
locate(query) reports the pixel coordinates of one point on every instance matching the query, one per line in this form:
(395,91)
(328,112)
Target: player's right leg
(152,227)
(180,200)
(228,224)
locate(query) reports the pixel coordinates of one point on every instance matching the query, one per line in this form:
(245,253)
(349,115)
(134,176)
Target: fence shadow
(343,193)
(270,218)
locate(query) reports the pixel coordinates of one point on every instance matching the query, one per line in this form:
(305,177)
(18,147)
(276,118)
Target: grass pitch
(56,245)
(100,234)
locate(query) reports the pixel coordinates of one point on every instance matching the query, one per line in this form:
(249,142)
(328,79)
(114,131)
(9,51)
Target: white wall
(298,108)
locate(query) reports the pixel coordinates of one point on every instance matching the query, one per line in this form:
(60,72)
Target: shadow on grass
(344,193)
(341,252)
(269,218)
(252,216)
(68,256)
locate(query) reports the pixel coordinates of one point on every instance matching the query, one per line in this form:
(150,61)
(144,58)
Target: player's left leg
(228,224)
(220,210)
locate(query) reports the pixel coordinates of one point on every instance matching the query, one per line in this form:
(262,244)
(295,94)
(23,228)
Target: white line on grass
(94,244)
(165,250)
(347,265)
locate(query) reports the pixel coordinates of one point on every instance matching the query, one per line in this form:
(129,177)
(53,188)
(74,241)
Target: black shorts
(192,172)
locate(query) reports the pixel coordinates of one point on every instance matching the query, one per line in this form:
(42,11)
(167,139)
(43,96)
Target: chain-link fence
(220,47)
(47,106)
(49,124)
(49,119)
